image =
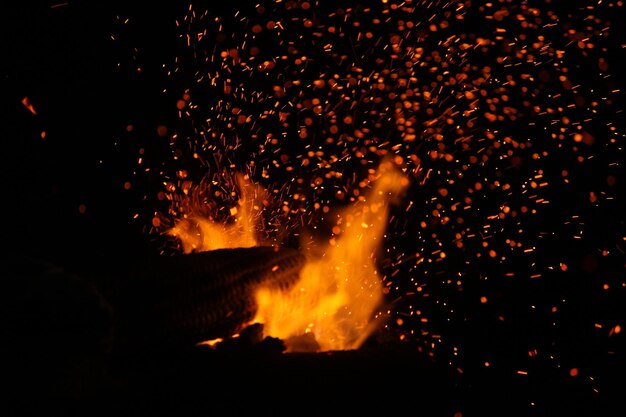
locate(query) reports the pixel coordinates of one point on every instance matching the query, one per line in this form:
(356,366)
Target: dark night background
(86,90)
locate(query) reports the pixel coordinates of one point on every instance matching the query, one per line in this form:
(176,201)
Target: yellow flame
(339,286)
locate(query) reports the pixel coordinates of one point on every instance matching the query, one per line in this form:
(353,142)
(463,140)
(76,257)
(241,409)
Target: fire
(332,305)
(199,234)
(339,286)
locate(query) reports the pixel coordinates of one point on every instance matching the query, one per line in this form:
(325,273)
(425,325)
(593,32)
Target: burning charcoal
(251,341)
(303,343)
(253,333)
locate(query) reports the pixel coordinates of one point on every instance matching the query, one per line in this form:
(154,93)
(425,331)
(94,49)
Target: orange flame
(339,286)
(200,234)
(331,306)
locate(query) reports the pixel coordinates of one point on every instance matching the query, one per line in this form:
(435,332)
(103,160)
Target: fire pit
(254,380)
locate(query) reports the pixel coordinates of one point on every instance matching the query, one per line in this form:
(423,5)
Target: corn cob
(179,301)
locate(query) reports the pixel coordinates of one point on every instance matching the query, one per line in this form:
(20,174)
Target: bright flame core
(339,287)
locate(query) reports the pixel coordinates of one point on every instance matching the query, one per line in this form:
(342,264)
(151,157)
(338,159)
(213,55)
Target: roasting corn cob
(182,300)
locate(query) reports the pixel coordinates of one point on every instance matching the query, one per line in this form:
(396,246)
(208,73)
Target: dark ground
(61,58)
